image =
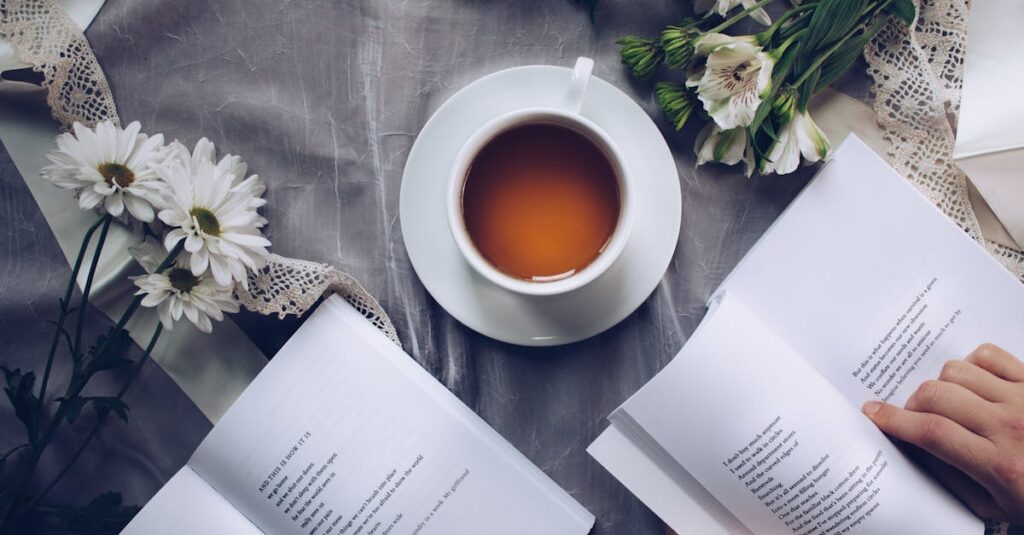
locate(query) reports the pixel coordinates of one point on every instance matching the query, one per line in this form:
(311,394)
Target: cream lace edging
(45,37)
(918,74)
(77,90)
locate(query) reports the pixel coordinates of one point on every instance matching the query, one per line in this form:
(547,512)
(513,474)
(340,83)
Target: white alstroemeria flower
(728,147)
(734,80)
(110,166)
(800,137)
(214,208)
(723,7)
(178,292)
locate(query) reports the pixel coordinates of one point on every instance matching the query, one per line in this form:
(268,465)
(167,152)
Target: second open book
(861,290)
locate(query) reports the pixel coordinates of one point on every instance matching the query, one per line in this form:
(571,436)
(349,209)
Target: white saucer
(494,311)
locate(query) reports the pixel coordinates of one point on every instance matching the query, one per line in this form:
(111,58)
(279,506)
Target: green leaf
(830,22)
(23,399)
(844,57)
(74,407)
(902,9)
(114,350)
(103,406)
(763,110)
(782,67)
(807,89)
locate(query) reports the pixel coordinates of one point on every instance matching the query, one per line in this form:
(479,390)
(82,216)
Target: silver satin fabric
(324,99)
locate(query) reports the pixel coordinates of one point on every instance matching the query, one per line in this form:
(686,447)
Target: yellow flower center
(182,279)
(206,219)
(115,173)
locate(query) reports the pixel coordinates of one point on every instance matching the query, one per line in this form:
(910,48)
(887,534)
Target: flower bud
(641,55)
(679,43)
(676,102)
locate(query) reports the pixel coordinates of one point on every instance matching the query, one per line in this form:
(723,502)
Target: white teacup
(568,115)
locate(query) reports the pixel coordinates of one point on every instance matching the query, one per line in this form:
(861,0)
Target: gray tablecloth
(324,100)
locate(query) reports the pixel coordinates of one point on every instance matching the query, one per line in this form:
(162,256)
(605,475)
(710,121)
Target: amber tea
(540,202)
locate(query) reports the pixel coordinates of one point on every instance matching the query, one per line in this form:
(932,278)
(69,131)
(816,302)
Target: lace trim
(917,76)
(77,90)
(288,286)
(45,36)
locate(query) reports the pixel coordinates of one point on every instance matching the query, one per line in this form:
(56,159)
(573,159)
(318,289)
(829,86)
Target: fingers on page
(938,435)
(977,379)
(998,361)
(957,403)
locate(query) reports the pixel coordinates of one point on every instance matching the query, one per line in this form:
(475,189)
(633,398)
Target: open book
(861,290)
(343,434)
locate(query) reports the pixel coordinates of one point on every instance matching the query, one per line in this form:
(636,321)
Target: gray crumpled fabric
(324,99)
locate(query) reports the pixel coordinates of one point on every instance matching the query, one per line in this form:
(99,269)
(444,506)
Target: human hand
(972,421)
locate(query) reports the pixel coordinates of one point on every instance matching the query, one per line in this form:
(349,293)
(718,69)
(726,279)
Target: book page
(344,434)
(874,286)
(187,504)
(686,506)
(775,443)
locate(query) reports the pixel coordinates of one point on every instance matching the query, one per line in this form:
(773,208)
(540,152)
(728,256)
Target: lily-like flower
(797,136)
(723,7)
(729,147)
(735,79)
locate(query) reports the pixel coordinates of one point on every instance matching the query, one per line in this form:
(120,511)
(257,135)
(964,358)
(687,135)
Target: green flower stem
(84,304)
(65,310)
(869,14)
(75,385)
(134,306)
(765,36)
(102,418)
(739,16)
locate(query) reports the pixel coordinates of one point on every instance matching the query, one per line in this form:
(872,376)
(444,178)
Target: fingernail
(871,407)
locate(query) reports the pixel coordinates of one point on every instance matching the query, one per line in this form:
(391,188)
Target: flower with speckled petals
(735,79)
(110,167)
(214,207)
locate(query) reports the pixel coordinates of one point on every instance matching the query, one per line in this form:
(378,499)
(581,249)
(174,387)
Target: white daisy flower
(728,147)
(723,7)
(215,207)
(177,292)
(109,166)
(734,80)
(205,151)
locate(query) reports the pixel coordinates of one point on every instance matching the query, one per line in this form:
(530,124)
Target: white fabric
(991,106)
(989,139)
(917,73)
